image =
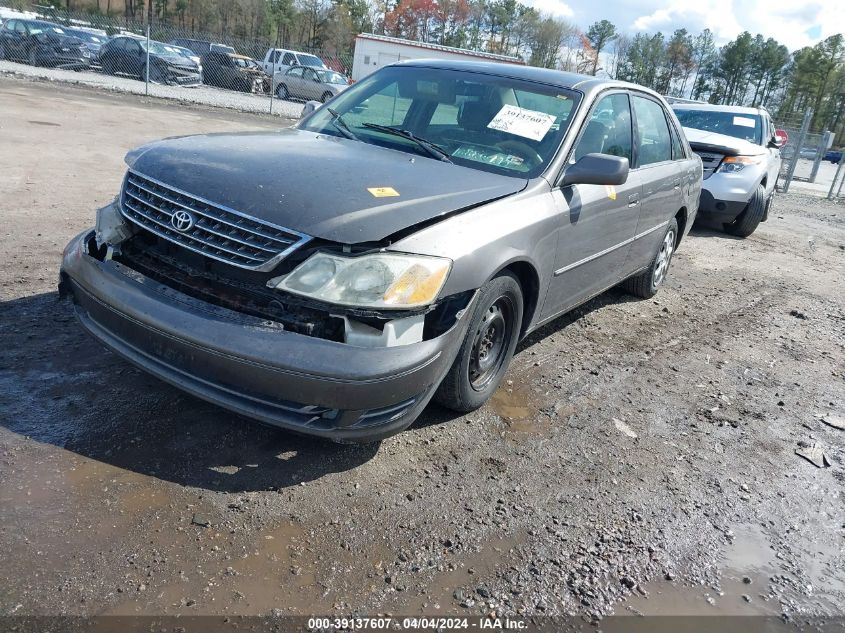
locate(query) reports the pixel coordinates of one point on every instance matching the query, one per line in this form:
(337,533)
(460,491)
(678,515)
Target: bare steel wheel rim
(490,343)
(664,257)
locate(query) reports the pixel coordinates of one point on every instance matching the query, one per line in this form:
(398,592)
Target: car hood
(333,188)
(176,60)
(711,141)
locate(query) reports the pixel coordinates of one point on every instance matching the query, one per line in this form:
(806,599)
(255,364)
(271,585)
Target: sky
(795,23)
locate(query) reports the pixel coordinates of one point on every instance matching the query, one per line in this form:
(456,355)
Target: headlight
(381,280)
(733,164)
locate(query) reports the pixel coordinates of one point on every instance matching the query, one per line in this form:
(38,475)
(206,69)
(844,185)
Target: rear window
(310,60)
(748,127)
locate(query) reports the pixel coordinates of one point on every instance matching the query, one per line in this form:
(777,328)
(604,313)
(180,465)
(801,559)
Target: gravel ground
(640,457)
(200,95)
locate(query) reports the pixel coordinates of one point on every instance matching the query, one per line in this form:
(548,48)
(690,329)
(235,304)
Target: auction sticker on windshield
(744,121)
(521,122)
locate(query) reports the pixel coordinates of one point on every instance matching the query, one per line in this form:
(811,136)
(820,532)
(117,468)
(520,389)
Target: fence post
(147,65)
(820,152)
(805,124)
(272,79)
(835,178)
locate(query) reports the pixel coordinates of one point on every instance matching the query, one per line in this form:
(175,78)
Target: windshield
(157,48)
(42,27)
(505,126)
(748,127)
(330,77)
(310,60)
(91,38)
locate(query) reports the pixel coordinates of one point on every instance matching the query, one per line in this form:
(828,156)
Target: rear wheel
(32,58)
(282,91)
(488,347)
(2,50)
(750,219)
(647,283)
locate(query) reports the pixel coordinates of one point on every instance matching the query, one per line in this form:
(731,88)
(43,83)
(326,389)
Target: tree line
(750,70)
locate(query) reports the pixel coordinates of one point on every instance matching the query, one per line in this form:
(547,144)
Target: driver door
(597,222)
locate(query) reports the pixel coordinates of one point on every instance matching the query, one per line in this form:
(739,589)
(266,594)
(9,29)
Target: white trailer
(374,51)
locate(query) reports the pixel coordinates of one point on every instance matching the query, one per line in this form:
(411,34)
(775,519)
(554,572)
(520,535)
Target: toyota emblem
(182,221)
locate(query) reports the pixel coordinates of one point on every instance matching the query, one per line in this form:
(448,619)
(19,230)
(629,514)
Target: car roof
(718,108)
(575,81)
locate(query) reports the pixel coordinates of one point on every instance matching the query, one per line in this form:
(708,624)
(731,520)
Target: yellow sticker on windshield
(611,191)
(383,192)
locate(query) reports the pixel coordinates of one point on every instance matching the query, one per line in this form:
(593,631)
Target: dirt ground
(639,459)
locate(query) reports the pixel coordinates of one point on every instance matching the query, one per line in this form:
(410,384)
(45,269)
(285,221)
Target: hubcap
(490,344)
(664,257)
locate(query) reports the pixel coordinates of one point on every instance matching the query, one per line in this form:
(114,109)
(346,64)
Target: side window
(20,27)
(289,59)
(310,75)
(132,47)
(295,72)
(10,25)
(655,143)
(608,130)
(119,44)
(275,57)
(677,147)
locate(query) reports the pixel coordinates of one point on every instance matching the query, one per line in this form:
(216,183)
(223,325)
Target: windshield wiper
(341,125)
(433,150)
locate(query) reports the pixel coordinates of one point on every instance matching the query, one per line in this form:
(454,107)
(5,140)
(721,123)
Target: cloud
(788,22)
(556,8)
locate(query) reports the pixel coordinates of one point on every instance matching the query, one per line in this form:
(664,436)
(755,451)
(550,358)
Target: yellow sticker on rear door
(383,192)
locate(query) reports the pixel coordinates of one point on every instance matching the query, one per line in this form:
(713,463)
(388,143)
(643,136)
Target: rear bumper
(250,366)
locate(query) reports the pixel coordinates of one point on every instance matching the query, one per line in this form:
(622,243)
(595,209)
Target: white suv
(740,154)
(280,59)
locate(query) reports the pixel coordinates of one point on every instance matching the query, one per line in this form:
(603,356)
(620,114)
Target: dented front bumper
(252,366)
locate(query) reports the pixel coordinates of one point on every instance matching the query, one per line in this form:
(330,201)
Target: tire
(31,57)
(326,96)
(750,219)
(155,75)
(282,91)
(647,283)
(485,354)
(2,51)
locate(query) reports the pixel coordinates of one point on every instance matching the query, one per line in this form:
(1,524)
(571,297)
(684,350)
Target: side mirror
(596,169)
(309,107)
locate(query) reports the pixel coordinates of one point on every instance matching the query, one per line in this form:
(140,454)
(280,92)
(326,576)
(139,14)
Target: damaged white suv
(740,153)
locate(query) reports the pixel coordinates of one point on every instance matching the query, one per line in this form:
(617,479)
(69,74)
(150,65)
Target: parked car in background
(93,38)
(278,60)
(436,214)
(187,52)
(201,48)
(42,44)
(833,155)
(302,82)
(128,55)
(740,151)
(234,72)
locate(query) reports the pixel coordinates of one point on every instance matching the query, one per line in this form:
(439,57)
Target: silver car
(302,82)
(393,247)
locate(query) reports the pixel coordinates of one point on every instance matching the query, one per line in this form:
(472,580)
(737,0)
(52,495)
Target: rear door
(597,223)
(293,79)
(661,177)
(311,84)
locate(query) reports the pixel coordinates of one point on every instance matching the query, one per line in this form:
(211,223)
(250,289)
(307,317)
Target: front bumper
(725,211)
(252,367)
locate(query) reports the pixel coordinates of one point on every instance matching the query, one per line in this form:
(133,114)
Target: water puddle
(743,589)
(512,403)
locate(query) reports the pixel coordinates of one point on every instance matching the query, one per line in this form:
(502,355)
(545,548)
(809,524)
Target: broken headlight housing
(378,280)
(733,164)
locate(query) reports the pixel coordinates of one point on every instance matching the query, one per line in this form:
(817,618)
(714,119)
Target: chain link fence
(807,157)
(170,61)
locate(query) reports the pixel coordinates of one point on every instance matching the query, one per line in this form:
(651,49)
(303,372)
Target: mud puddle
(516,405)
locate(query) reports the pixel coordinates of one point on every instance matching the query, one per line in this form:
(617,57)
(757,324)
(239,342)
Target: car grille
(710,162)
(211,229)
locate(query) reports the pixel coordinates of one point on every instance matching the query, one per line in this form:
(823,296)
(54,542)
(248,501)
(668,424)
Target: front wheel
(32,58)
(750,218)
(2,51)
(488,347)
(647,283)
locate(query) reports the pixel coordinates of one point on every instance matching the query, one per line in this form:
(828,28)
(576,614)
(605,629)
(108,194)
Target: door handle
(633,199)
(677,184)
